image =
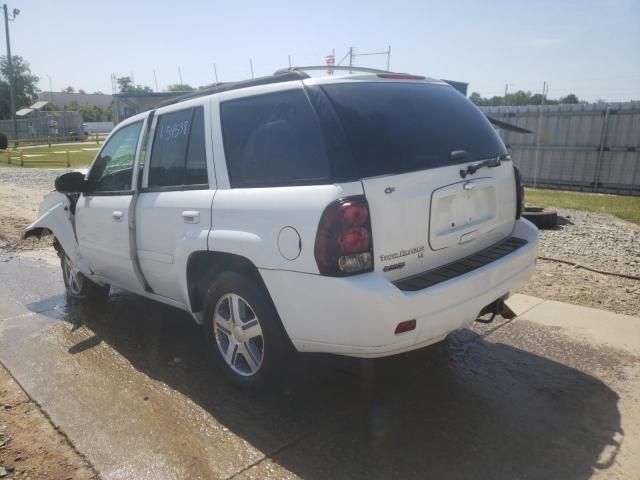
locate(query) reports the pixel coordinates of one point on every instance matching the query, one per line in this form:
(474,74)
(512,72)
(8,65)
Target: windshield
(402,127)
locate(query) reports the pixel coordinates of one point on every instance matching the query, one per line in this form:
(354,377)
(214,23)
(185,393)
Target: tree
(571,98)
(520,98)
(92,113)
(126,86)
(82,91)
(180,87)
(476,98)
(25,85)
(69,89)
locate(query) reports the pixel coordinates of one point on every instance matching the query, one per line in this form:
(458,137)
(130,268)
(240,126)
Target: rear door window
(402,127)
(273,140)
(178,156)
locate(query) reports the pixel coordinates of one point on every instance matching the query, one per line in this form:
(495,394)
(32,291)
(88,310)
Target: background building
(63,99)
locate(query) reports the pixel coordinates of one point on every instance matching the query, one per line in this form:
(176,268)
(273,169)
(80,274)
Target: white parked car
(362,215)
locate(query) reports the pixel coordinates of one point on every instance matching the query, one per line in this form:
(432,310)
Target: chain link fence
(55,125)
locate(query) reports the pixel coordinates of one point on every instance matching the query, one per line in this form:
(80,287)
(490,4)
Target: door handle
(116,215)
(191,216)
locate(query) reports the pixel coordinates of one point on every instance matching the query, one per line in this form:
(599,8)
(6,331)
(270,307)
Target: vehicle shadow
(466,408)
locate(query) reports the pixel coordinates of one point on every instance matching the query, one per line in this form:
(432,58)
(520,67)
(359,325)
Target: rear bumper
(357,316)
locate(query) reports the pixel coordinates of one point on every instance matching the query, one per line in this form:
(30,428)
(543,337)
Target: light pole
(12,93)
(50,90)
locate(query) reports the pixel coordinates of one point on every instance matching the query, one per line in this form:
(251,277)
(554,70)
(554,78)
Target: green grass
(626,208)
(77,156)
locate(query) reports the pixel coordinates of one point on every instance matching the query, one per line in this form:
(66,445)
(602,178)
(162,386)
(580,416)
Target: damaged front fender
(56,218)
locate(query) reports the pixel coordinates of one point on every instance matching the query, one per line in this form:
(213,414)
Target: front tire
(244,335)
(78,286)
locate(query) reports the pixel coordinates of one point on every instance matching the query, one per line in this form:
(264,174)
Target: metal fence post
(536,157)
(68,159)
(21,158)
(603,142)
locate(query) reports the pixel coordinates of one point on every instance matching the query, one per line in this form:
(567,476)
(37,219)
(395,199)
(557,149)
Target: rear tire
(78,286)
(244,335)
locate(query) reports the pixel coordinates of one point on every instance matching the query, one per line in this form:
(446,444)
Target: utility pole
(506,87)
(251,67)
(215,71)
(50,90)
(388,57)
(155,78)
(180,74)
(350,58)
(12,92)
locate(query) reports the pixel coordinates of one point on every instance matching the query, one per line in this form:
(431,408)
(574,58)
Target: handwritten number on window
(175,130)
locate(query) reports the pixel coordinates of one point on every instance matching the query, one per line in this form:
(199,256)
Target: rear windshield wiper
(490,163)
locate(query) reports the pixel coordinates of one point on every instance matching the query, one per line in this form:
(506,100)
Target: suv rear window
(402,127)
(273,140)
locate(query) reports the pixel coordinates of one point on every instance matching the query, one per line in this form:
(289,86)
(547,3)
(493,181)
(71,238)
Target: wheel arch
(37,232)
(204,266)
(55,219)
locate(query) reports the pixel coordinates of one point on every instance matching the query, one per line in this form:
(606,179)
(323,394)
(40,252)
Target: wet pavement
(130,386)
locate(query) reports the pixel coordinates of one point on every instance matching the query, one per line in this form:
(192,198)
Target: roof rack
(278,77)
(281,75)
(330,67)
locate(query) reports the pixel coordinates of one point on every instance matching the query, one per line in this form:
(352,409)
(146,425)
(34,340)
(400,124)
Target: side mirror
(72,182)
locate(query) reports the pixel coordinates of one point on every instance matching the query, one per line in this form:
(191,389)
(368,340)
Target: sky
(590,48)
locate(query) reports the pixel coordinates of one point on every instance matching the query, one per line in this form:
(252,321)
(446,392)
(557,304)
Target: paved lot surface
(543,396)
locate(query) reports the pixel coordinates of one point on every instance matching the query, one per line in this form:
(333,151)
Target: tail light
(519,192)
(344,245)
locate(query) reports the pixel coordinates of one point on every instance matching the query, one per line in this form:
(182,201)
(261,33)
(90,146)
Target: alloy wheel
(73,277)
(238,334)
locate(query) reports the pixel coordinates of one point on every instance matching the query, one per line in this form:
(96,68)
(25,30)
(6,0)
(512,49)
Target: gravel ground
(31,178)
(596,240)
(21,192)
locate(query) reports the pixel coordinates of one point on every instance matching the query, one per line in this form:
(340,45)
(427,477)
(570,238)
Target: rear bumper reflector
(447,272)
(406,326)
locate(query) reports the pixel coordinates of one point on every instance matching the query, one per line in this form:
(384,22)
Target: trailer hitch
(498,307)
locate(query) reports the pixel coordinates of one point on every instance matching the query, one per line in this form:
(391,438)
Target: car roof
(299,74)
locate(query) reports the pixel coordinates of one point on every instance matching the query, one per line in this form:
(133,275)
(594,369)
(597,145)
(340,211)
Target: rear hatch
(411,144)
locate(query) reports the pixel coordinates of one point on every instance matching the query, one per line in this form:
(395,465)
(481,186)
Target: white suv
(362,215)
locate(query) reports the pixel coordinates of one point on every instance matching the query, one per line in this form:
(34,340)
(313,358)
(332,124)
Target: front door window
(113,169)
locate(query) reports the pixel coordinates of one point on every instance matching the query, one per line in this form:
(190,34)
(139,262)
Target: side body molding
(55,218)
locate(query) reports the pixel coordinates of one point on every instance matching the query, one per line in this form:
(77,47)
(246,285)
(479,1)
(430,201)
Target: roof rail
(285,76)
(330,67)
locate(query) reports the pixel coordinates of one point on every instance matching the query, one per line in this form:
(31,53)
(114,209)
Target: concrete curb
(582,323)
